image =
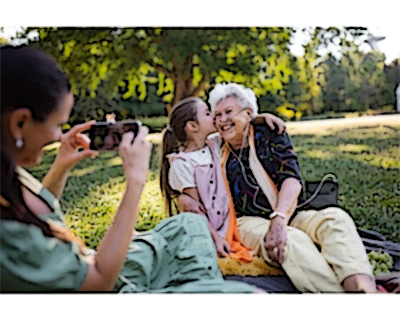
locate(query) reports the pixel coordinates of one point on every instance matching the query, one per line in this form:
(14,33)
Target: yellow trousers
(340,252)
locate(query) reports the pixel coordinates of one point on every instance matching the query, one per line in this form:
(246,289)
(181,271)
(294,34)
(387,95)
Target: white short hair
(246,96)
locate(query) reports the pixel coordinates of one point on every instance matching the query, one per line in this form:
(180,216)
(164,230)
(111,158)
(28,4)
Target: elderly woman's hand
(275,239)
(68,154)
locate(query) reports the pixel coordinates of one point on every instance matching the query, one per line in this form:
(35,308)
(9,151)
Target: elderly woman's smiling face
(231,119)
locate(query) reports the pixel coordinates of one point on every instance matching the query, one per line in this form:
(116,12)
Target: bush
(155,124)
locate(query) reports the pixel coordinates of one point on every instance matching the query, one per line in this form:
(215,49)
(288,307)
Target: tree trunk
(184,88)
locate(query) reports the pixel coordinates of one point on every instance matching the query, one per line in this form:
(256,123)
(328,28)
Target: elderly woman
(320,251)
(264,179)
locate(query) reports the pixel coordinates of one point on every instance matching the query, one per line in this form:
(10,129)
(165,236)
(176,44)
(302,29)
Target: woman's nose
(223,118)
(59,135)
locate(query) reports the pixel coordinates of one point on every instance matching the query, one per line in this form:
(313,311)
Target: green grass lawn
(365,159)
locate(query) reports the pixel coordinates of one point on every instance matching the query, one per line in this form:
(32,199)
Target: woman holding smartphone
(38,253)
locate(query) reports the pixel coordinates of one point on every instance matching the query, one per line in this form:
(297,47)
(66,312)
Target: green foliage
(140,71)
(155,124)
(381,262)
(356,83)
(3,42)
(348,82)
(87,108)
(186,60)
(364,159)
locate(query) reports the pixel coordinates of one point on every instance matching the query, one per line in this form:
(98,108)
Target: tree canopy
(183,61)
(139,71)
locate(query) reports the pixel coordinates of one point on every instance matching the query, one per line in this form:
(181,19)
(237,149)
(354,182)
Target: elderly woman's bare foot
(359,283)
(258,290)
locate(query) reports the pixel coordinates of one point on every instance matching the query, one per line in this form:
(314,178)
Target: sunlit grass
(365,158)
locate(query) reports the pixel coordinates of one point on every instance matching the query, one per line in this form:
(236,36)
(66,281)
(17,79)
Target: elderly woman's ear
(249,113)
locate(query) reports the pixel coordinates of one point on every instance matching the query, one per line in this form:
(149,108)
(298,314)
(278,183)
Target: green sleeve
(31,261)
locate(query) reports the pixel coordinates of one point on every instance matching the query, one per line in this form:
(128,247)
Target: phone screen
(106,136)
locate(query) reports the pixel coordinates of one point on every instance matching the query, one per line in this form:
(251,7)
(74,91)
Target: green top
(176,256)
(30,261)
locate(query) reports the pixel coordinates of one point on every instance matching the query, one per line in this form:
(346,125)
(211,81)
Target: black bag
(321,194)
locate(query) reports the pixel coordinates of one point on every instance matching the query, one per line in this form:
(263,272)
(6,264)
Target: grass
(365,157)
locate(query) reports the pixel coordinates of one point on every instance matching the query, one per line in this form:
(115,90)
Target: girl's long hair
(172,138)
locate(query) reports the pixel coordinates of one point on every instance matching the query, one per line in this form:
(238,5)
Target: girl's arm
(193,193)
(219,242)
(271,120)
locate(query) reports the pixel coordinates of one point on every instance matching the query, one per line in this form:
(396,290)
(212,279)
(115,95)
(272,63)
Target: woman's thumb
(88,153)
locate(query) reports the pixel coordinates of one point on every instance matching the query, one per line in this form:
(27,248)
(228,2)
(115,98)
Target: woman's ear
(17,122)
(249,112)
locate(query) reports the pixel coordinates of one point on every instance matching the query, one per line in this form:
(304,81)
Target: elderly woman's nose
(223,117)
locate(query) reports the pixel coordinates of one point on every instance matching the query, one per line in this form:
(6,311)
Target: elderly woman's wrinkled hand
(275,240)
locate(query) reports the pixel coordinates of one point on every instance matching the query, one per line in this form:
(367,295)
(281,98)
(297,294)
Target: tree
(183,61)
(3,41)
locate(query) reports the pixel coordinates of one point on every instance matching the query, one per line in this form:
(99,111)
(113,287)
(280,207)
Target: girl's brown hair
(173,137)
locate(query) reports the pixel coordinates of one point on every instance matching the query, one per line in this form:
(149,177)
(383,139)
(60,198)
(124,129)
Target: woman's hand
(275,239)
(222,246)
(68,154)
(135,153)
(67,157)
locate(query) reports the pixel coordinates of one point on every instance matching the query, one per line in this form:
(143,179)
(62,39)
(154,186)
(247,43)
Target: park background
(139,73)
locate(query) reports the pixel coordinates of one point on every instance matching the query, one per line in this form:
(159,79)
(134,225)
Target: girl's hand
(68,155)
(275,239)
(271,120)
(188,204)
(223,247)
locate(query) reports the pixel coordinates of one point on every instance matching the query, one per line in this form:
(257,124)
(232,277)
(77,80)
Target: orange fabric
(239,252)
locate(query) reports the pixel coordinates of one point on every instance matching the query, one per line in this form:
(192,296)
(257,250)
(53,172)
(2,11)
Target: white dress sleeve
(215,138)
(181,175)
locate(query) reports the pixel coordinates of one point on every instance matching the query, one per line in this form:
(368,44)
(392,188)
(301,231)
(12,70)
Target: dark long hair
(174,136)
(29,79)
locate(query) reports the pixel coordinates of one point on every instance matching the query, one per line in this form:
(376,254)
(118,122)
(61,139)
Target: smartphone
(106,136)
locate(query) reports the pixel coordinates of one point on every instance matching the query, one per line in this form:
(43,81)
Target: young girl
(190,165)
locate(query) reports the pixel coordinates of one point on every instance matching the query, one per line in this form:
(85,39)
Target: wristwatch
(277,213)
